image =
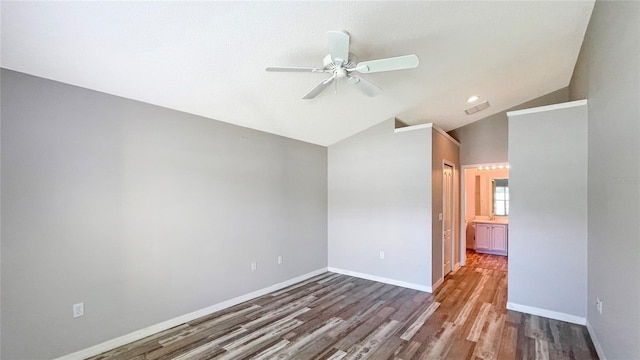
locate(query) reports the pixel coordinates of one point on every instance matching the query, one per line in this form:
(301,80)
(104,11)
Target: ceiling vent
(475,108)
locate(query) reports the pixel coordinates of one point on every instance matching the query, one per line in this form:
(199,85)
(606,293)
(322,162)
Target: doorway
(447,219)
(484,204)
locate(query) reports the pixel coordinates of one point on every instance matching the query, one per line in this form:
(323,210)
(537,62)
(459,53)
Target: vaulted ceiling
(208,58)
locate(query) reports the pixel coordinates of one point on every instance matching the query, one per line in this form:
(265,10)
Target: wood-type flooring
(333,316)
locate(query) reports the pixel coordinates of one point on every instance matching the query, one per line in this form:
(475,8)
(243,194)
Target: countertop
(487,221)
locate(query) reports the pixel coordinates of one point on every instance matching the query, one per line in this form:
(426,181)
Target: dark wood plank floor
(334,316)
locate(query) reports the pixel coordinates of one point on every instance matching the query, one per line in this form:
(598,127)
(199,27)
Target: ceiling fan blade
(318,89)
(292,69)
(365,86)
(388,64)
(339,46)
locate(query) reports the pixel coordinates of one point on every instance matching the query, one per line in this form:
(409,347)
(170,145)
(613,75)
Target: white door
(447,221)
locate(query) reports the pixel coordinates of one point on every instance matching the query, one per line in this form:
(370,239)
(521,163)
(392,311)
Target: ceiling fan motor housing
(331,66)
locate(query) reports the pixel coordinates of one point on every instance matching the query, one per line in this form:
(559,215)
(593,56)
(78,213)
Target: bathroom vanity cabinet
(492,237)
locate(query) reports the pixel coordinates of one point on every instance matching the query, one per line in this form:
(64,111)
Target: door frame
(454,263)
(463,206)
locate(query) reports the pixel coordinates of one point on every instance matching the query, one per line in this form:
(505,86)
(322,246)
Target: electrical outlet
(280,259)
(254,266)
(78,310)
(599,305)
(381,254)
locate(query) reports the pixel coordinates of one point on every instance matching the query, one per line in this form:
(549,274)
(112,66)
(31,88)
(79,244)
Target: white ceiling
(208,58)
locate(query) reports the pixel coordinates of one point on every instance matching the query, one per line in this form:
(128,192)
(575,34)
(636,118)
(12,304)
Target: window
(501,197)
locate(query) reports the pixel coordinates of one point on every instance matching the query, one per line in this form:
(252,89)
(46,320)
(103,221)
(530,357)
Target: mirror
(478,198)
(480,191)
(500,195)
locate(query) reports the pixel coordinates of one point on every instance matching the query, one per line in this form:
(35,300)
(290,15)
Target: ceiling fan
(339,64)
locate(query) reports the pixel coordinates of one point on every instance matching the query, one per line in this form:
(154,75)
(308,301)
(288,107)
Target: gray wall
(608,73)
(485,141)
(142,213)
(548,212)
(380,200)
(444,149)
(1,335)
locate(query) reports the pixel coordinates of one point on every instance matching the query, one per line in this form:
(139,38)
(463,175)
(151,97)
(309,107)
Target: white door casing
(447,221)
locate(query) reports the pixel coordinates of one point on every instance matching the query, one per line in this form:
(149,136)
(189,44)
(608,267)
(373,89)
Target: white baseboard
(437,284)
(142,333)
(595,341)
(547,313)
(382,279)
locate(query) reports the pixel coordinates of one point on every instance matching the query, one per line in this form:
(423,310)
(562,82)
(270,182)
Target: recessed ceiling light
(472,99)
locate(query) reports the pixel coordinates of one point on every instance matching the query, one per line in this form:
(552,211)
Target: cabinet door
(483,236)
(499,238)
